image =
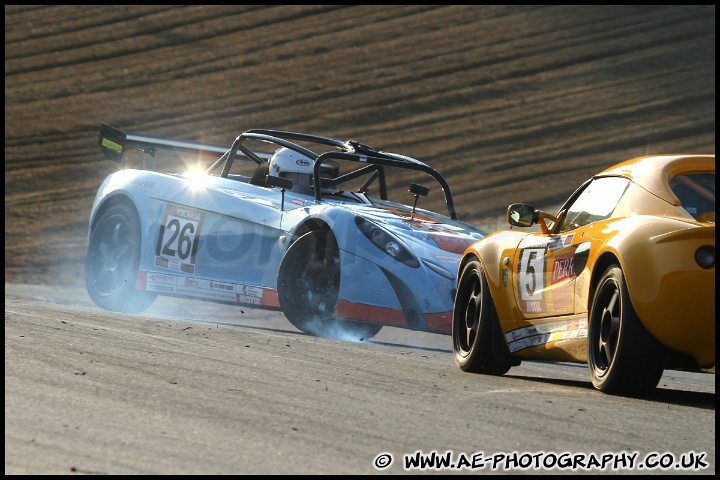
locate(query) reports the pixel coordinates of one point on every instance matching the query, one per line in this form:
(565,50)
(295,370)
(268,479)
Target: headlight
(387,242)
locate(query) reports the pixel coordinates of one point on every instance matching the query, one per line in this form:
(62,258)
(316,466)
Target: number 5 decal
(531,277)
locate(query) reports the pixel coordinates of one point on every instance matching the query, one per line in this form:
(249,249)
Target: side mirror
(417,190)
(521,215)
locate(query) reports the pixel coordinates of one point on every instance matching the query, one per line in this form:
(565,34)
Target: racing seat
(259,175)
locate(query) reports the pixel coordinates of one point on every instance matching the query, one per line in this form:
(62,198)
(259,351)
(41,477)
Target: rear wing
(116,145)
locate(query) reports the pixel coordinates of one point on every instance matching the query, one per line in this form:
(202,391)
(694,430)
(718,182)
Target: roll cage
(113,143)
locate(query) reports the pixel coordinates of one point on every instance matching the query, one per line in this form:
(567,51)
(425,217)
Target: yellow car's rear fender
(669,290)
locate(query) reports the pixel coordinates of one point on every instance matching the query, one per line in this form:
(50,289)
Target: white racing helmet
(290,164)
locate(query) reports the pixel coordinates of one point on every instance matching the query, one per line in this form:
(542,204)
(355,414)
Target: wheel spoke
(102,260)
(114,279)
(108,259)
(609,329)
(116,234)
(317,283)
(613,327)
(123,251)
(472,313)
(469,328)
(613,300)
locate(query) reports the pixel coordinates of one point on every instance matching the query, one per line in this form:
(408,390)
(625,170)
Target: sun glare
(196,178)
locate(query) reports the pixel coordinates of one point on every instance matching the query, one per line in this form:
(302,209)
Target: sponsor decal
(248,299)
(222,286)
(209,289)
(563,274)
(249,295)
(543,333)
(533,306)
(160,278)
(188,214)
(250,291)
(561,241)
(563,269)
(142,183)
(160,288)
(445,258)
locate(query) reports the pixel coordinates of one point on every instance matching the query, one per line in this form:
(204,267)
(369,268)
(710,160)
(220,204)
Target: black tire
(308,286)
(475,329)
(623,358)
(112,261)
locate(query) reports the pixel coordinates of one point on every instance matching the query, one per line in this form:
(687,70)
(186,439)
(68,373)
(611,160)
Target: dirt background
(510,103)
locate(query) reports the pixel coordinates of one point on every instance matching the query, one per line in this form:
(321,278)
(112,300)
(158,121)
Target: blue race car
(280,221)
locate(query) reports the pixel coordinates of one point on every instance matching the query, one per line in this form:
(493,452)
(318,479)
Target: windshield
(596,202)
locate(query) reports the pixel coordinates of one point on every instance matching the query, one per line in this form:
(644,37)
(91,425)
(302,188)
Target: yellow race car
(621,278)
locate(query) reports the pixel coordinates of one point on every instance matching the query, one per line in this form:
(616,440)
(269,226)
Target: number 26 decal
(179,234)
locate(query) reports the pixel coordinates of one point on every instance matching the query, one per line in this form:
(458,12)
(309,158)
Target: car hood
(422,228)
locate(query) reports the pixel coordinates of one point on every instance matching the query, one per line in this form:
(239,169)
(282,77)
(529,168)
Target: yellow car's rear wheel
(623,358)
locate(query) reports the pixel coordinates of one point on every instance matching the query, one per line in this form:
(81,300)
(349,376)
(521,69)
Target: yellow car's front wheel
(478,345)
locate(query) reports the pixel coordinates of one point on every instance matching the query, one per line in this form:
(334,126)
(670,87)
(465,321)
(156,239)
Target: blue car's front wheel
(308,287)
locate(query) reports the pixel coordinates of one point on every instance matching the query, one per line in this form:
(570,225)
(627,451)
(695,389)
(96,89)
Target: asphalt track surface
(512,103)
(198,388)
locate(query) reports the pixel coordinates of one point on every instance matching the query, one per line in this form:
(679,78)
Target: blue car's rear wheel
(308,287)
(623,358)
(111,265)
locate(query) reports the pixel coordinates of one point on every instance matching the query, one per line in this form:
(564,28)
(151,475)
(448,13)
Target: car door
(545,275)
(216,241)
(547,265)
